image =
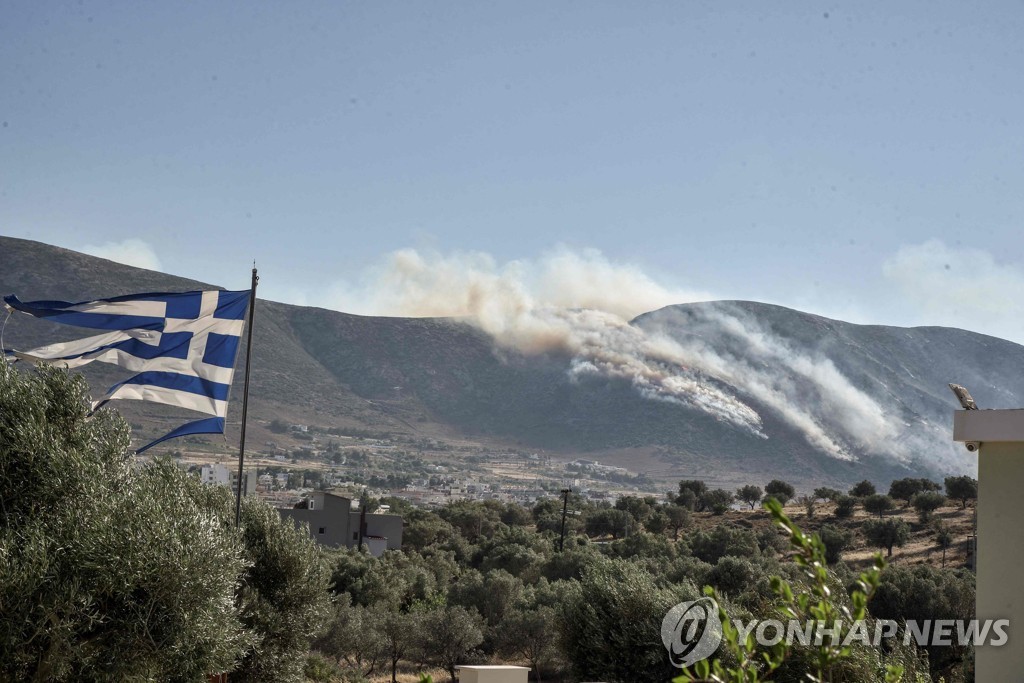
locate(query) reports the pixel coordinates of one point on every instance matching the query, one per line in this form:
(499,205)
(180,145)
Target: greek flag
(182,346)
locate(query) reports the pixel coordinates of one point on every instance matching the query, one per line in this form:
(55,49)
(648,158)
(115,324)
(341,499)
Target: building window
(322,530)
(355,535)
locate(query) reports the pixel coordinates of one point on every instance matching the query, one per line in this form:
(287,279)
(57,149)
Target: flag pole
(245,395)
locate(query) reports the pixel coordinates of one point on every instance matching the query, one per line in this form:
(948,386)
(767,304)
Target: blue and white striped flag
(182,346)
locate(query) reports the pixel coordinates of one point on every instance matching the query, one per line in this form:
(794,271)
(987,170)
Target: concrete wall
(1000,560)
(376,546)
(389,526)
(1000,556)
(327,522)
(334,521)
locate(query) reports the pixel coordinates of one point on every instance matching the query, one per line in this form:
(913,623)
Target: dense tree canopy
(114,572)
(611,623)
(905,489)
(862,489)
(962,488)
(780,490)
(475,581)
(826,493)
(921,592)
(716,500)
(73,503)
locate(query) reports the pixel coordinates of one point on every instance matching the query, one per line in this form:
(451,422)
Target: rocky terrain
(745,393)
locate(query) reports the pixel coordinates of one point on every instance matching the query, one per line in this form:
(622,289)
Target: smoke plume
(581,304)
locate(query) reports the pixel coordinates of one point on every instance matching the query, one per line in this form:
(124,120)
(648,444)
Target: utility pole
(565,507)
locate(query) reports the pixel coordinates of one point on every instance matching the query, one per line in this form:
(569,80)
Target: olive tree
(677,517)
(906,489)
(107,571)
(113,571)
(608,521)
(862,489)
(611,623)
(886,533)
(750,495)
(878,503)
(450,636)
(354,636)
(825,493)
(926,503)
(716,500)
(845,507)
(527,633)
(962,488)
(284,594)
(922,592)
(780,491)
(836,540)
(690,491)
(398,631)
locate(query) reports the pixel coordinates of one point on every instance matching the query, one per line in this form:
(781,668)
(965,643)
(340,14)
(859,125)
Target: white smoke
(131,252)
(805,389)
(958,286)
(580,303)
(472,284)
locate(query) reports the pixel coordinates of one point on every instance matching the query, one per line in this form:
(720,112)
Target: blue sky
(859,160)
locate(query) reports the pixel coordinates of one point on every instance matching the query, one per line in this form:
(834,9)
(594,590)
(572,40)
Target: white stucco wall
(1000,559)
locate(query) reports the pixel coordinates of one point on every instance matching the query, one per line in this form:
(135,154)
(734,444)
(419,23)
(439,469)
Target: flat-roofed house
(334,521)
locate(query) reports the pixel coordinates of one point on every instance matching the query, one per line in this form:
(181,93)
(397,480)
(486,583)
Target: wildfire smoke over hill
(581,304)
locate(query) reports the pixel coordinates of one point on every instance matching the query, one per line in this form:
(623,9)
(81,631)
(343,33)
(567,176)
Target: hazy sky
(860,160)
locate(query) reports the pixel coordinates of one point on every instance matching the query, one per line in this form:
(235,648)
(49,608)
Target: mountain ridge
(440,378)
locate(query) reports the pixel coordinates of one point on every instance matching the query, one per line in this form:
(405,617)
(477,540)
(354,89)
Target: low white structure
(487,673)
(998,438)
(218,475)
(214,473)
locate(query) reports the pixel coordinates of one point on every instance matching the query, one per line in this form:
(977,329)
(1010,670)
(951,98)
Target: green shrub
(814,600)
(845,506)
(926,503)
(780,491)
(862,489)
(836,540)
(721,541)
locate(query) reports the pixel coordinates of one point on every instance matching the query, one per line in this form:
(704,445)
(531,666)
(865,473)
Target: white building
(997,436)
(215,473)
(218,474)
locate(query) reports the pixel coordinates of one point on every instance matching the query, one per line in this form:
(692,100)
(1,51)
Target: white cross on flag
(183,347)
